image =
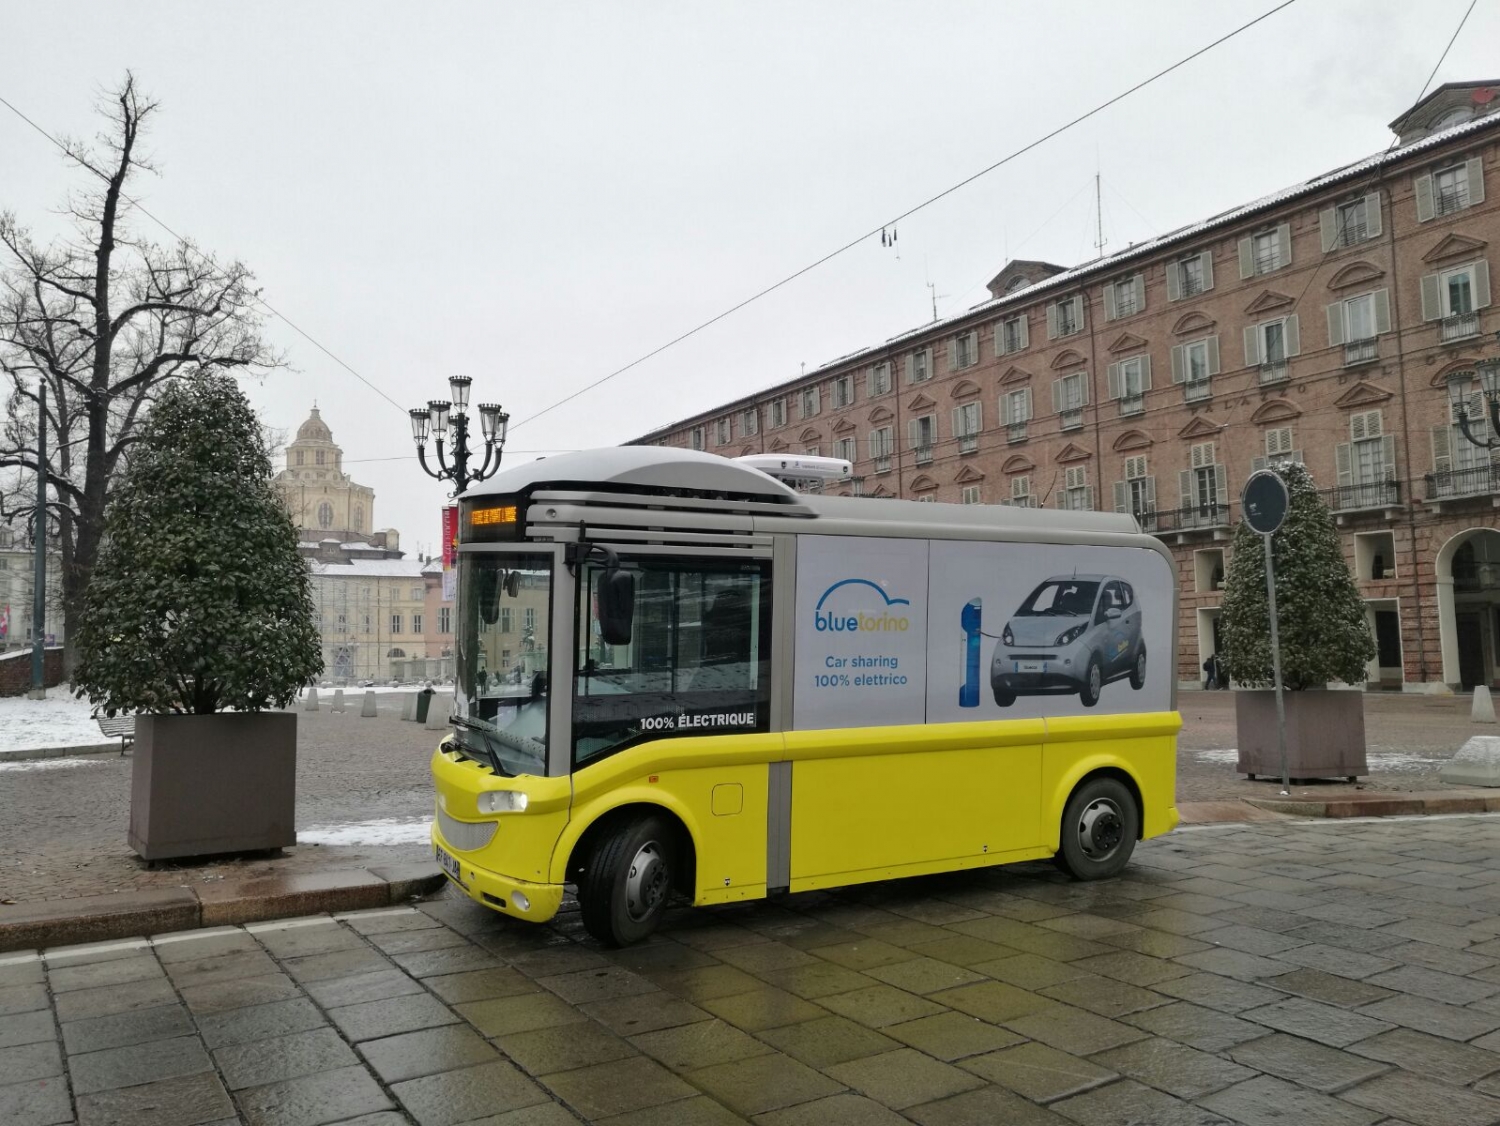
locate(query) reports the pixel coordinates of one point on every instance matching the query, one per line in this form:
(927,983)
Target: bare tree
(104,319)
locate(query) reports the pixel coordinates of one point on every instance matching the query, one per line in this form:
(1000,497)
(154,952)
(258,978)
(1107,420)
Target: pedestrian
(1211,671)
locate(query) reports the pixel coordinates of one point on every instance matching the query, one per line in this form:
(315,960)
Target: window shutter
(1146,373)
(1247,258)
(1179,365)
(1284,244)
(1115,382)
(1476,181)
(1023,320)
(953,354)
(1481,284)
(1425,210)
(1122,494)
(1252,345)
(1185,486)
(1432,308)
(1138,283)
(1372,214)
(1151,492)
(1077,477)
(1213,354)
(1109,301)
(1293,335)
(1387,458)
(1335,324)
(1221,487)
(1057,396)
(1257,464)
(913,433)
(1077,303)
(1025,405)
(1052,321)
(973,346)
(1442,449)
(1328,227)
(1005,413)
(911,367)
(1207,259)
(1174,281)
(1382,311)
(1083,387)
(958,422)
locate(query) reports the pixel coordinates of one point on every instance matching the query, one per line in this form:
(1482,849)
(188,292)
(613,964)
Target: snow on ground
(47,763)
(58,721)
(1377,760)
(382,831)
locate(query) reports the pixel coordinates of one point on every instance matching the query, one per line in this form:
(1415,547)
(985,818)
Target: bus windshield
(506,607)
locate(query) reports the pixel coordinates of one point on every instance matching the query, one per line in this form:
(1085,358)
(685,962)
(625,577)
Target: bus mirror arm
(616,594)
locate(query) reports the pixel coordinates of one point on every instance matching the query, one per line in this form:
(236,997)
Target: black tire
(1003,698)
(1100,825)
(624,889)
(1138,669)
(1093,683)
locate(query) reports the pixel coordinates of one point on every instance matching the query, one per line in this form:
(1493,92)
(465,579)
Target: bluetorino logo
(858,621)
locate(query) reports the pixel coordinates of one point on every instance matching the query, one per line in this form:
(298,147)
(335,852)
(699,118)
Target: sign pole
(39,542)
(1276,665)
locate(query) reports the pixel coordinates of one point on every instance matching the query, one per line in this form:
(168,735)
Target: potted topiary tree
(1324,635)
(199,617)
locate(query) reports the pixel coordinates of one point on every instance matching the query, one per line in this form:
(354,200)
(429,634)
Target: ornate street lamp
(441,415)
(1489,383)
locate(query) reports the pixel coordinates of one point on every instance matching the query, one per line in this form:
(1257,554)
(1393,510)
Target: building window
(845,449)
(750,422)
(968,420)
(301,457)
(1190,276)
(971,494)
(1136,494)
(1065,317)
(882,446)
(1124,297)
(416,623)
(841,390)
(1020,492)
(919,366)
(1129,380)
(1366,464)
(1076,495)
(809,402)
(318,457)
(1205,489)
(778,413)
(325,515)
(921,434)
(1010,335)
(722,435)
(878,381)
(963,351)
(416,594)
(395,623)
(341,623)
(1451,188)
(1355,323)
(812,451)
(1454,298)
(359,518)
(695,438)
(1266,251)
(1353,222)
(528,619)
(507,620)
(1194,364)
(1070,395)
(1270,344)
(445,619)
(1015,413)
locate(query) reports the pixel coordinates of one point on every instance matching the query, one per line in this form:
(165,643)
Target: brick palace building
(1337,322)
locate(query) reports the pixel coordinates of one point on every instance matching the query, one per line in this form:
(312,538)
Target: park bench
(121,727)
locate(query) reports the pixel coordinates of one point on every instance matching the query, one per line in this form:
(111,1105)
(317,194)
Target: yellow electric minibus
(679,675)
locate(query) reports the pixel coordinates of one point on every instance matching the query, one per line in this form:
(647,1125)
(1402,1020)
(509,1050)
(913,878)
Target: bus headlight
(502,801)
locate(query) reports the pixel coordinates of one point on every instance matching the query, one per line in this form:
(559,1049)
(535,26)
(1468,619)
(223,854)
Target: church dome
(314,429)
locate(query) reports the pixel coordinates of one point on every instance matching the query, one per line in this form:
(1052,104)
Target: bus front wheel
(1100,825)
(624,890)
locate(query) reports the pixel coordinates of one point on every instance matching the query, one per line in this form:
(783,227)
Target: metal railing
(1459,326)
(1015,432)
(1147,519)
(1132,404)
(922,455)
(1361,351)
(1125,306)
(1351,233)
(1192,284)
(1367,494)
(882,463)
(1070,419)
(1196,390)
(1273,371)
(1267,261)
(1449,200)
(1479,480)
(1066,326)
(968,443)
(1193,518)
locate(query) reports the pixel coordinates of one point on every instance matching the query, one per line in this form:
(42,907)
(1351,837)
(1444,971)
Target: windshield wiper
(470,725)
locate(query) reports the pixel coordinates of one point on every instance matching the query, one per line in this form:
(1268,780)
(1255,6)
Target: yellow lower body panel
(536,903)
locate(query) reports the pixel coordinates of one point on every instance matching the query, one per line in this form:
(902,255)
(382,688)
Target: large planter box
(1325,733)
(208,784)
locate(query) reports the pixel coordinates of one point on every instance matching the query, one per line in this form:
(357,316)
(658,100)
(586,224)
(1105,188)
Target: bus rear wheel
(623,892)
(1100,825)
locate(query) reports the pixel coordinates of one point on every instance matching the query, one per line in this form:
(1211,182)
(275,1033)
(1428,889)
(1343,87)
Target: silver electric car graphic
(1074,633)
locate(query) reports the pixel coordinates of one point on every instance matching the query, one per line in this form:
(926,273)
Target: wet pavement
(1293,971)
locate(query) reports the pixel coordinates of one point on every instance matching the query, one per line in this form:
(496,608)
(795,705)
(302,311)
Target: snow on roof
(368,569)
(1067,278)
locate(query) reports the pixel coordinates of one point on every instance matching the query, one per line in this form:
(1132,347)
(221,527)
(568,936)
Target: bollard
(409,706)
(310,702)
(368,711)
(1477,763)
(1483,710)
(439,708)
(338,700)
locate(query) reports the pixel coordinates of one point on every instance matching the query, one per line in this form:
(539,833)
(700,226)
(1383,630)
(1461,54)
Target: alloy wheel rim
(1101,828)
(646,882)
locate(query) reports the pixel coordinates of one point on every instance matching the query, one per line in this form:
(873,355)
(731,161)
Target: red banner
(450,535)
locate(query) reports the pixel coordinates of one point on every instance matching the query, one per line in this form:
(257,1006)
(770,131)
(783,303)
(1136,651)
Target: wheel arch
(1087,773)
(581,837)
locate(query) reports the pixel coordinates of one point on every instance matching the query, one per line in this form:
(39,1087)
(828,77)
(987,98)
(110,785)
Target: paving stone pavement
(1287,972)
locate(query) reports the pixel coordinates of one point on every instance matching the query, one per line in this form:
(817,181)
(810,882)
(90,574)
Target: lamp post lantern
(442,415)
(1489,385)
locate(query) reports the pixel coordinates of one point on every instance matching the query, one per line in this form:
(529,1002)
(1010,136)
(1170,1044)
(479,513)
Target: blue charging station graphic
(969,621)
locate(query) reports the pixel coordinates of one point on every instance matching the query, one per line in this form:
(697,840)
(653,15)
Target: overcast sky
(534,195)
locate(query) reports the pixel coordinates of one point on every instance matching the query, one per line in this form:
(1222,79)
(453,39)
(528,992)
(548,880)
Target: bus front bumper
(536,903)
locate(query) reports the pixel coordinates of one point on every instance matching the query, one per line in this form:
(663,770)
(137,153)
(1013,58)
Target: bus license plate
(1031,666)
(447,863)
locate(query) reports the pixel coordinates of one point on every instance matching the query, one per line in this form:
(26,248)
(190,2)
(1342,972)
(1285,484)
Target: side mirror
(1114,613)
(512,582)
(616,605)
